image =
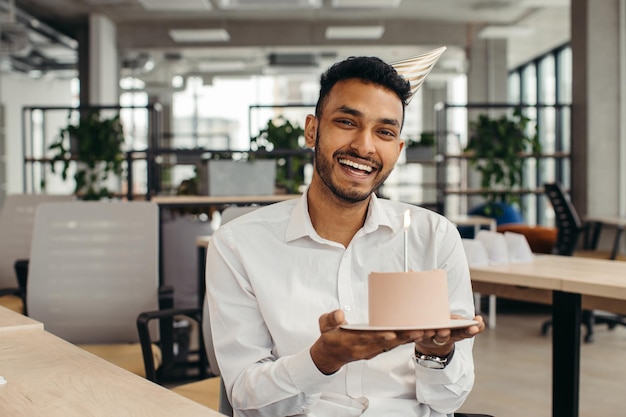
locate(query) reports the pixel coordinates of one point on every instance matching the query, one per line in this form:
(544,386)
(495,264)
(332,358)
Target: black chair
(180,365)
(570,228)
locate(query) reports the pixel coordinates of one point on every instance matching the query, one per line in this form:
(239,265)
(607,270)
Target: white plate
(454,324)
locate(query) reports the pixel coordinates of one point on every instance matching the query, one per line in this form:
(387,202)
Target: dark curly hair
(367,69)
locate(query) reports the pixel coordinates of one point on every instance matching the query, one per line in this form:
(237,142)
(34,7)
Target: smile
(360,167)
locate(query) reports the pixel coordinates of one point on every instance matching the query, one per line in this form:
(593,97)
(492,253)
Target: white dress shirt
(270,277)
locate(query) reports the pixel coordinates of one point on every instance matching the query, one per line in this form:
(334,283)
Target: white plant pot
(226,177)
(420,154)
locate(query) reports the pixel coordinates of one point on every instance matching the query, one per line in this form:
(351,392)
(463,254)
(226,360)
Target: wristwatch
(432,361)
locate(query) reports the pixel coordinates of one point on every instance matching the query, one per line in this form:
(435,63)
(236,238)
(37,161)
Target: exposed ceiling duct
(33,47)
(13,39)
(13,35)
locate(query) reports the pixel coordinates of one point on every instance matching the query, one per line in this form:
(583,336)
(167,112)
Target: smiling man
(283,279)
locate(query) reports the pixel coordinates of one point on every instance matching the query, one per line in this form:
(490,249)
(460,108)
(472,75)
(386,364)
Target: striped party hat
(415,69)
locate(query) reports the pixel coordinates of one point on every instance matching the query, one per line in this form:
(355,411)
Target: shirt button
(347,308)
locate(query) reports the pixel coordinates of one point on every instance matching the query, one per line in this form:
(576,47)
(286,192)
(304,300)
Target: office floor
(513,368)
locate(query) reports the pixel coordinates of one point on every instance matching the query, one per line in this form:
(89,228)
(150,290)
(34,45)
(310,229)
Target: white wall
(17,91)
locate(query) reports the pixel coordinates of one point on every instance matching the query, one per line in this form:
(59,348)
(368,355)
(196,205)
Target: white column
(487,82)
(487,78)
(597,107)
(103,62)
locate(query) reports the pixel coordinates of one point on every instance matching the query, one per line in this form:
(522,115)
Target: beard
(324,167)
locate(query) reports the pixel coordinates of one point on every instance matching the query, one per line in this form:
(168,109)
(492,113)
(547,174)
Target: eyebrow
(357,113)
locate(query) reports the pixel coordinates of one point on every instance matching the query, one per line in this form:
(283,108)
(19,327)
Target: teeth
(362,167)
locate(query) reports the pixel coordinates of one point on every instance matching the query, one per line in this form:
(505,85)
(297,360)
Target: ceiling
(287,36)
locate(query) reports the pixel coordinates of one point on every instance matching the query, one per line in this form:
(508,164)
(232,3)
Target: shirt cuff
(304,374)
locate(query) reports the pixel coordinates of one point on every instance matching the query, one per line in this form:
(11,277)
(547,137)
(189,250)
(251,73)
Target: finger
(330,321)
(478,328)
(410,335)
(338,317)
(442,334)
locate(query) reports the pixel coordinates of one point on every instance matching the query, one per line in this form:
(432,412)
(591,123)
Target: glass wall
(544,87)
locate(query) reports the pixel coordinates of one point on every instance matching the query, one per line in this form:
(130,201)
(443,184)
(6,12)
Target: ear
(401,144)
(310,131)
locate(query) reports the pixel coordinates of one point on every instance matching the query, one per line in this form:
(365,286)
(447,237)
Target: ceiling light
(366,4)
(354,32)
(219,66)
(199,35)
(504,32)
(176,6)
(269,4)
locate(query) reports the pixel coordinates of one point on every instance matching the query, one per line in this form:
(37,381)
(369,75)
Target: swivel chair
(93,266)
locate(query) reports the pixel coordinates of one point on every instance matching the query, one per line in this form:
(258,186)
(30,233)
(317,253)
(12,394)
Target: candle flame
(407,219)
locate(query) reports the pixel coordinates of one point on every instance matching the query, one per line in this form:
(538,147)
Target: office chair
(93,267)
(569,229)
(16,228)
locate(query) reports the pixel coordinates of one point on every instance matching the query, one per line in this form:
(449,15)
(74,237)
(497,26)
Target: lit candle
(407,223)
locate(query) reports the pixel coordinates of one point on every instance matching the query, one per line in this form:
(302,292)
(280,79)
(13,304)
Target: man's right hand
(335,347)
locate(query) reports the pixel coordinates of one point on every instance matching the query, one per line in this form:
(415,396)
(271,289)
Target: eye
(346,122)
(388,133)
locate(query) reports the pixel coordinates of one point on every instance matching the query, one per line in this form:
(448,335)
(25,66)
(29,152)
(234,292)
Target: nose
(363,142)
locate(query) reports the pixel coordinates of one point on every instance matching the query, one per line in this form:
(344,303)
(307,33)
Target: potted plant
(495,149)
(285,140)
(96,144)
(421,150)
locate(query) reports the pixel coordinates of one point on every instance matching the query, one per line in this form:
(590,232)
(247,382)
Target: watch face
(431,363)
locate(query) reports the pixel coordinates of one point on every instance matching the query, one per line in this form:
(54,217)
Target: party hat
(415,69)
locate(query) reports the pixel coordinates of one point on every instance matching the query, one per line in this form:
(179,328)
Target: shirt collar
(300,222)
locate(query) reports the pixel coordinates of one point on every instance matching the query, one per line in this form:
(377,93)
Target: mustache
(343,153)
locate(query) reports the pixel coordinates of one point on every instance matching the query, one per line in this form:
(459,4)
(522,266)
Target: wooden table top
(10,320)
(587,276)
(47,376)
(613,221)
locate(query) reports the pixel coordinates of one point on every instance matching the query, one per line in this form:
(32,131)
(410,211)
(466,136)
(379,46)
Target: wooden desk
(568,282)
(47,376)
(208,201)
(595,225)
(10,321)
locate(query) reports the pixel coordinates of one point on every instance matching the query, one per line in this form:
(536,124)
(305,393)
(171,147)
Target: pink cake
(409,299)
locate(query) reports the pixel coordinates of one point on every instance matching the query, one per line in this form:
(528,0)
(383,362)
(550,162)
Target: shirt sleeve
(257,383)
(445,390)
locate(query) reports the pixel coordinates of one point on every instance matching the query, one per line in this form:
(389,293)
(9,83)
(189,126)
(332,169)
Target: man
(282,279)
